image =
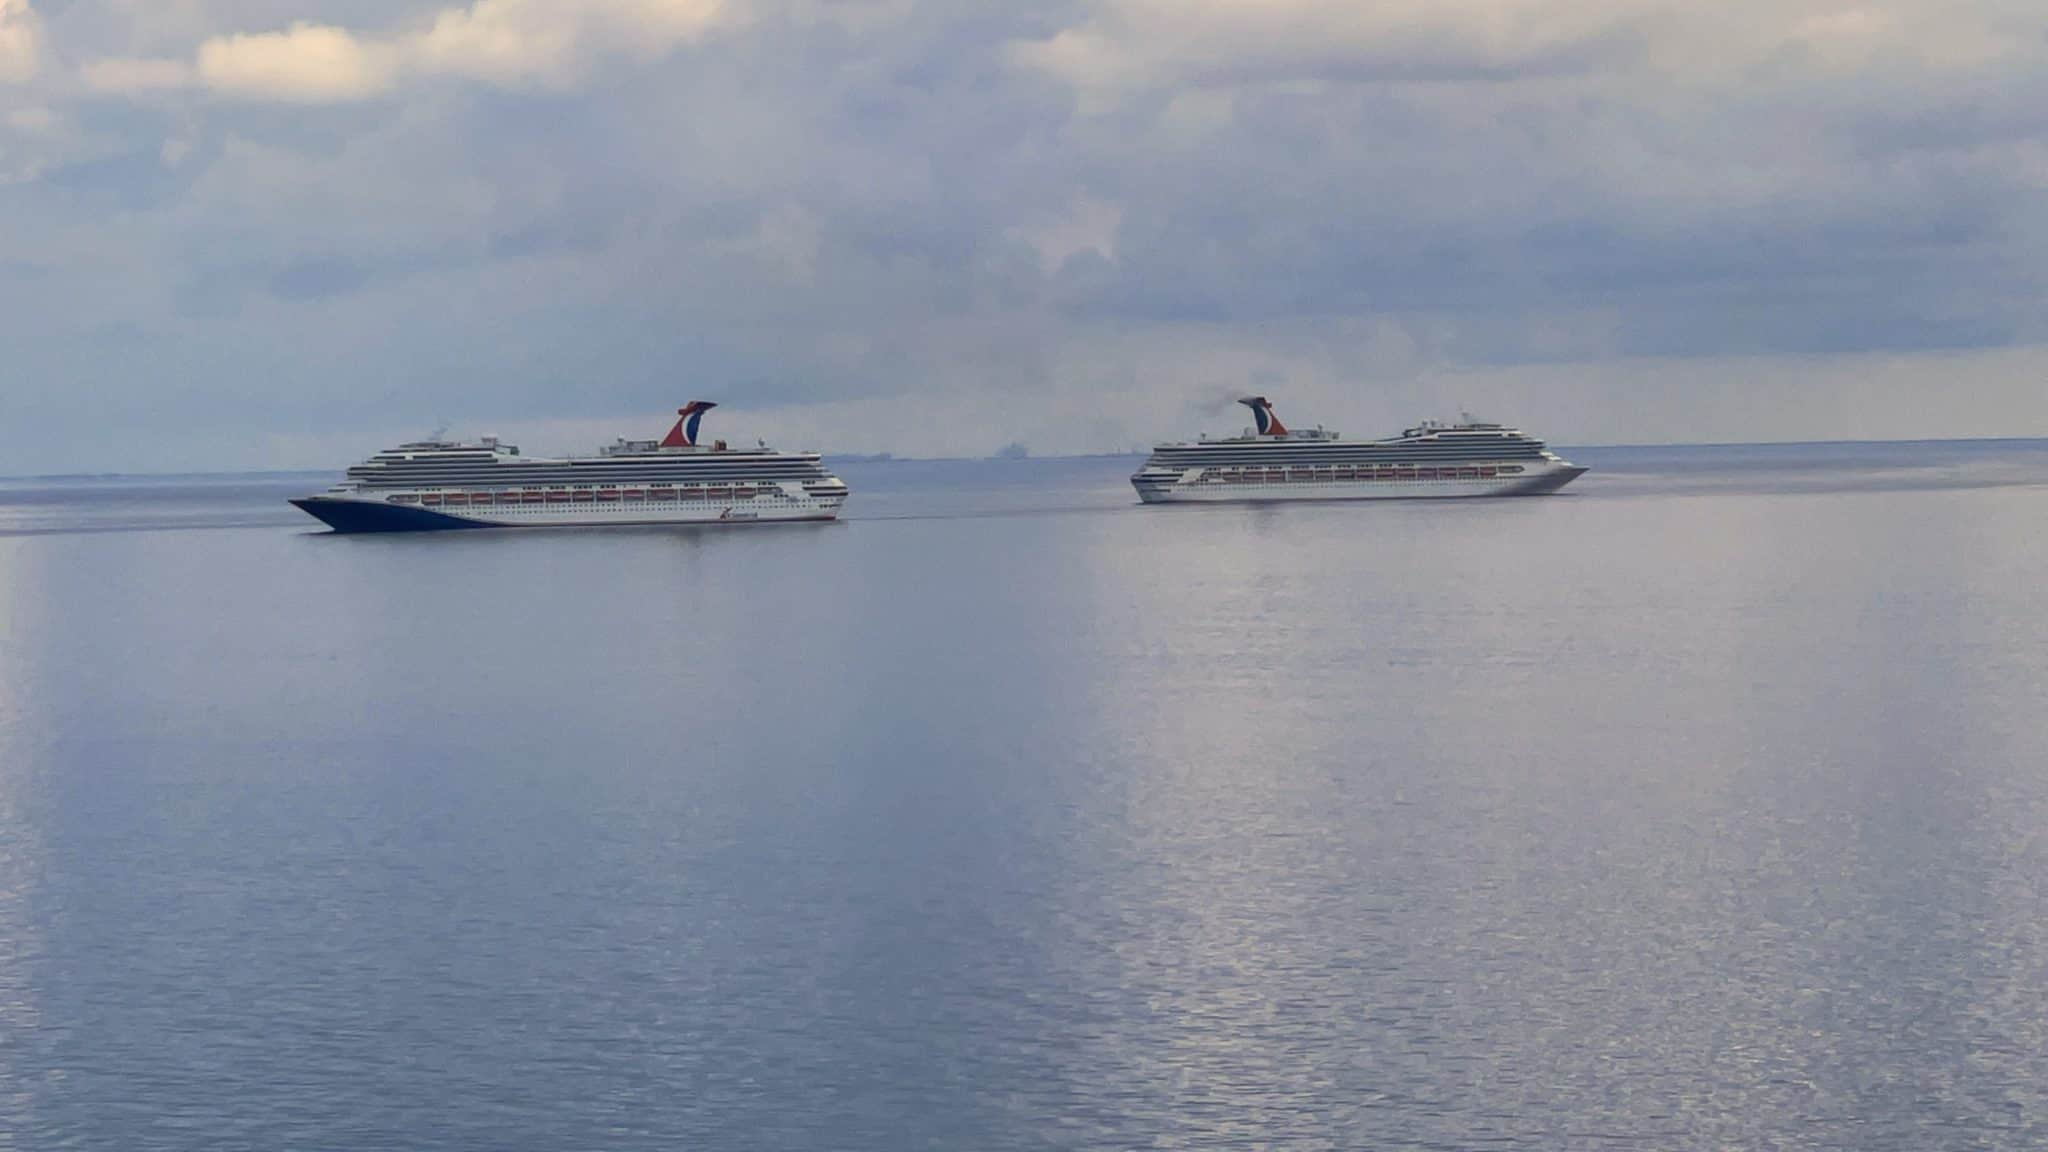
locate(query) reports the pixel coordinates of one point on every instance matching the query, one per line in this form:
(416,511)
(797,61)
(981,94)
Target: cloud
(1062,222)
(1129,45)
(1639,174)
(1136,43)
(1089,227)
(308,63)
(507,43)
(124,75)
(21,41)
(520,42)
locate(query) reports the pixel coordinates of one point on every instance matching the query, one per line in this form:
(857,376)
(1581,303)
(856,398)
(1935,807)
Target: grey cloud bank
(257,234)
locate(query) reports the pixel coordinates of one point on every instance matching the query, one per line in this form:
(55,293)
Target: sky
(284,233)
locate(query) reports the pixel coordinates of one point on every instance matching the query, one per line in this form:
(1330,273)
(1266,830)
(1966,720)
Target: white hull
(1193,489)
(629,517)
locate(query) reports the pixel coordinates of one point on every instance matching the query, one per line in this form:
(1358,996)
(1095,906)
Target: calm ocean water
(1703,806)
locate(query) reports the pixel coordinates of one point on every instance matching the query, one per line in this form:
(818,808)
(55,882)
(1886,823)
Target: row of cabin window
(1261,475)
(584,496)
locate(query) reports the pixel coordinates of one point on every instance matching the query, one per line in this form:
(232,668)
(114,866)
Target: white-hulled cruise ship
(1269,462)
(437,484)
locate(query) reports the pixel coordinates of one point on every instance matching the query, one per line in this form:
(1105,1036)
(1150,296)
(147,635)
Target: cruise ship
(1272,462)
(440,484)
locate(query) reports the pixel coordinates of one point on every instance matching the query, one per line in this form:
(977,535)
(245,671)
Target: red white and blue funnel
(684,434)
(1262,415)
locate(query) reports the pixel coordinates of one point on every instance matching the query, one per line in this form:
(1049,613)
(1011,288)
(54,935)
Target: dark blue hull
(363,516)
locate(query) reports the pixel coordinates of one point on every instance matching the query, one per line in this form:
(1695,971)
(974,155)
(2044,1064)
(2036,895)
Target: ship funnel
(1262,414)
(684,434)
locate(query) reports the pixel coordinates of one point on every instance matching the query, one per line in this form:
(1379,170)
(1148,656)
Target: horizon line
(892,458)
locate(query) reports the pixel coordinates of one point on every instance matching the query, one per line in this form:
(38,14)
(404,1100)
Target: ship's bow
(345,515)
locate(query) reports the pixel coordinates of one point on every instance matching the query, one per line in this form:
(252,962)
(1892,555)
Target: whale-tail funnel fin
(684,434)
(1262,414)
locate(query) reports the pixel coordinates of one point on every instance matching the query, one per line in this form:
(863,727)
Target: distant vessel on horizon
(432,485)
(1430,460)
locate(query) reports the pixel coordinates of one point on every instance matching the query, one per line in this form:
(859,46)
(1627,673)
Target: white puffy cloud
(21,41)
(310,63)
(515,42)
(510,43)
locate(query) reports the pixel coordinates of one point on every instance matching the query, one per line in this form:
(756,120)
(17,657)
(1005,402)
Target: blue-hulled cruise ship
(441,484)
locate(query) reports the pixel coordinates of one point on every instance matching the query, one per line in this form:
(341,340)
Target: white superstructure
(440,484)
(1270,462)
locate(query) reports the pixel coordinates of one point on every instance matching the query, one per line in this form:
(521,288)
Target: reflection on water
(1702,807)
(21,850)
